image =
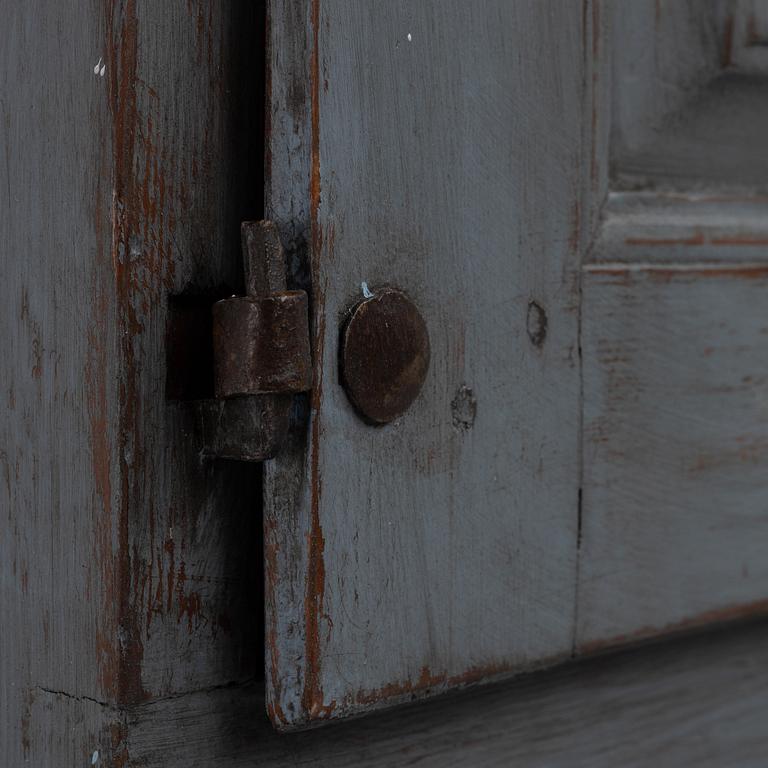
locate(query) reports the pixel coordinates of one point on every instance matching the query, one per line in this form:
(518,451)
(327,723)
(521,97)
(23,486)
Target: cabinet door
(574,198)
(572,195)
(438,148)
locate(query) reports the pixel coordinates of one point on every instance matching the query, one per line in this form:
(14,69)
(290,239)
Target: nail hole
(464,409)
(536,324)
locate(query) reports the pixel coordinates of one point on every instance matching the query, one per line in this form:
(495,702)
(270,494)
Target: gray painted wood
(58,408)
(663,52)
(693,228)
(675,522)
(750,35)
(697,703)
(186,173)
(451,164)
(288,148)
(688,107)
(718,142)
(596,121)
(129,569)
(674,334)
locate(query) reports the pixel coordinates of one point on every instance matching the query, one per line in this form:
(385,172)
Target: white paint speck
(366,290)
(409,38)
(95,757)
(100,68)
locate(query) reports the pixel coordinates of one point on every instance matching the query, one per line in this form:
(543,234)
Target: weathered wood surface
(718,141)
(688,104)
(699,702)
(288,150)
(467,168)
(58,409)
(750,35)
(192,96)
(445,156)
(662,53)
(692,228)
(674,334)
(186,171)
(129,568)
(674,521)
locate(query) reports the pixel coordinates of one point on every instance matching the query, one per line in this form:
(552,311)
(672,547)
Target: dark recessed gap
(246,86)
(189,347)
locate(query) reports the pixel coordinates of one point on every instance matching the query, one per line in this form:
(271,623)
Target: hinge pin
(261,355)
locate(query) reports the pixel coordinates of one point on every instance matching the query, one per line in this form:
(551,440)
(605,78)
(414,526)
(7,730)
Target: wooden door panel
(443,155)
(674,528)
(675,522)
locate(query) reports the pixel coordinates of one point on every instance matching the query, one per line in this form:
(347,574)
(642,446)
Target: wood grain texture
(434,147)
(288,146)
(673,334)
(688,104)
(663,53)
(186,169)
(692,228)
(694,703)
(435,551)
(675,521)
(129,567)
(596,123)
(750,36)
(716,142)
(58,408)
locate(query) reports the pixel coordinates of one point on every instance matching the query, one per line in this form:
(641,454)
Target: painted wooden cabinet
(573,196)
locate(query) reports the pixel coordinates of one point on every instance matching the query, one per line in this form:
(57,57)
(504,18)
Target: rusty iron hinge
(261,355)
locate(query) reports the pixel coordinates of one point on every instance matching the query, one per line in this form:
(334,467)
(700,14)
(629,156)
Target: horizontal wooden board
(694,703)
(690,228)
(675,503)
